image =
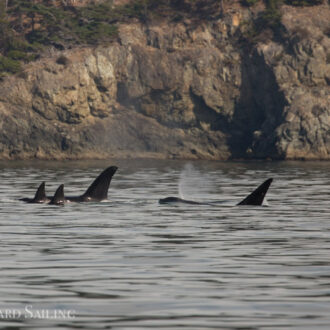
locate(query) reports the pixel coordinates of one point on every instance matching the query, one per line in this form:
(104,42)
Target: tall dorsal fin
(58,198)
(40,196)
(98,190)
(258,195)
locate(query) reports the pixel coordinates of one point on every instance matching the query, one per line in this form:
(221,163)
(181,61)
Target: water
(130,263)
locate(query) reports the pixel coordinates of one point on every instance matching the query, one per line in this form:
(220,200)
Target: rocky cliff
(181,89)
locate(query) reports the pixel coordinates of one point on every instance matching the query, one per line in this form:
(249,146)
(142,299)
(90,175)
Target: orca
(58,198)
(172,199)
(96,192)
(40,196)
(255,198)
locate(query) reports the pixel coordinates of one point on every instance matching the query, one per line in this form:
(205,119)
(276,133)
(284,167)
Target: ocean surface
(130,263)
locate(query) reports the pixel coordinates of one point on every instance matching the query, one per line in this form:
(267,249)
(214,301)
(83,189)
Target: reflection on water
(132,263)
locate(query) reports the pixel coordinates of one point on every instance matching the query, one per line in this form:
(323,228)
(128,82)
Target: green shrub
(266,26)
(17,55)
(303,2)
(15,43)
(9,65)
(271,17)
(63,60)
(249,3)
(38,37)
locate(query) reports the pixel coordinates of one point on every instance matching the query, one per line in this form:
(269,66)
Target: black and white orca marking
(96,192)
(255,198)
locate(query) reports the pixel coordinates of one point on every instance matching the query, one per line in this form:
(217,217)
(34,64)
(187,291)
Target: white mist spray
(193,184)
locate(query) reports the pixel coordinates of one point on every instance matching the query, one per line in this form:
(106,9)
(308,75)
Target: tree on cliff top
(28,26)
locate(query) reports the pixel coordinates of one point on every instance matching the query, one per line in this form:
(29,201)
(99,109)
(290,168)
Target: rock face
(177,90)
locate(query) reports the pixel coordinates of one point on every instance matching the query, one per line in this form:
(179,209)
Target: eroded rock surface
(183,90)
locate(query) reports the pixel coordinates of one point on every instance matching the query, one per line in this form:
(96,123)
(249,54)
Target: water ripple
(131,263)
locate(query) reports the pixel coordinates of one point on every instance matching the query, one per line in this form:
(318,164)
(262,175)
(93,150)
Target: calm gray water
(131,263)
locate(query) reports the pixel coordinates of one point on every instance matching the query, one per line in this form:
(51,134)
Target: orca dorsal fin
(258,195)
(98,190)
(40,195)
(58,198)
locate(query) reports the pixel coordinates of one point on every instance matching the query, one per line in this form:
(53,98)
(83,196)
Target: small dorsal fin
(258,195)
(40,196)
(98,190)
(58,198)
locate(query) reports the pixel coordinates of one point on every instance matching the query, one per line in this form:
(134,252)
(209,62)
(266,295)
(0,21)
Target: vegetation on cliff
(270,18)
(27,27)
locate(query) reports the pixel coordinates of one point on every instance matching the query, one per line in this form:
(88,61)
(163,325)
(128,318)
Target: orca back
(169,200)
(258,195)
(58,198)
(98,190)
